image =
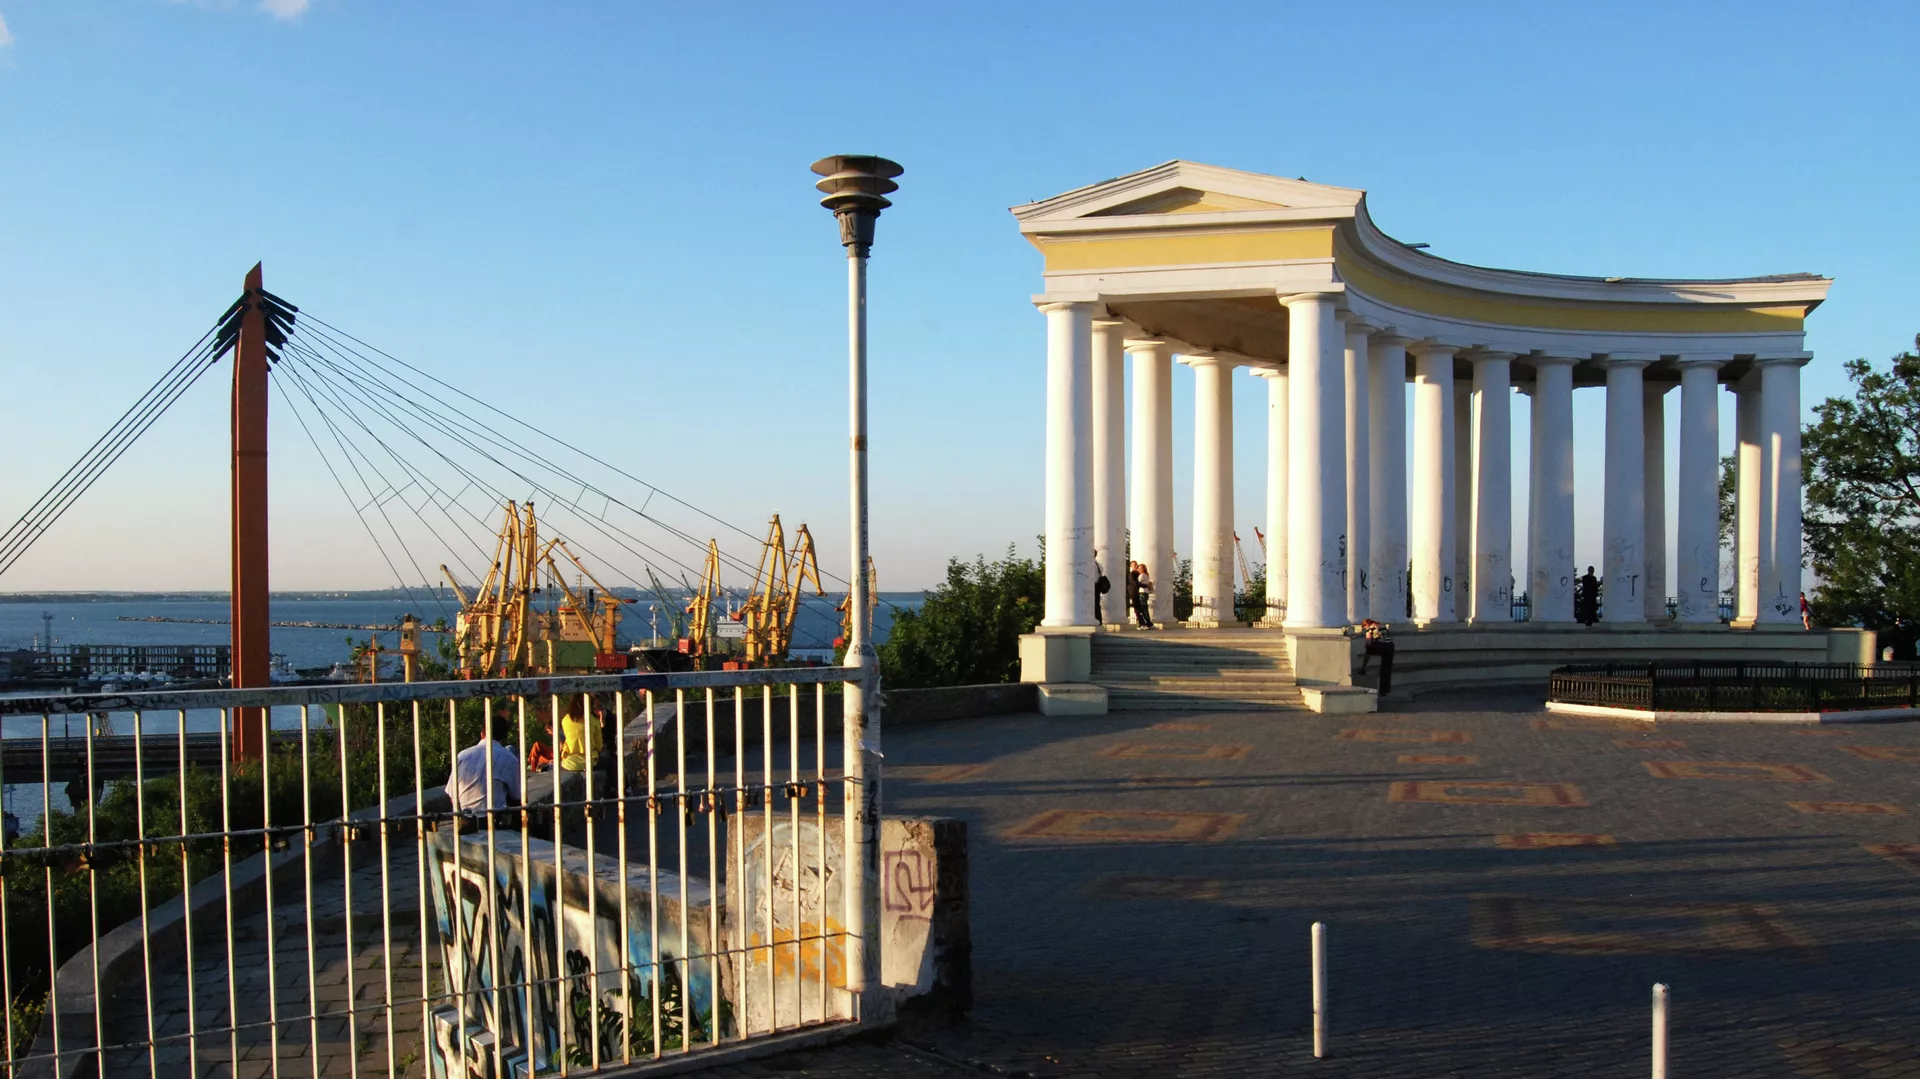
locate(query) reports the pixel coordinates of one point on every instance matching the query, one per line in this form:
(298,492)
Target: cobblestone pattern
(342,1036)
(1791,948)
(1145,911)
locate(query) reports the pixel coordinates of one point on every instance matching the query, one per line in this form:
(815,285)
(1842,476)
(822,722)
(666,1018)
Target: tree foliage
(1862,462)
(968,630)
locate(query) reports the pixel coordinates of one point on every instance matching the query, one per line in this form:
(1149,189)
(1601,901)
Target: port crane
(501,631)
(774,603)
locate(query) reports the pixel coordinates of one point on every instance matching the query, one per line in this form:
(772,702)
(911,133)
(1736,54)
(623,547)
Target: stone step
(1256,693)
(1227,672)
(1158,663)
(1175,703)
(1211,685)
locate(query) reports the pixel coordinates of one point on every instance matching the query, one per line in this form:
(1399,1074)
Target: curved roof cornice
(1188,197)
(1370,241)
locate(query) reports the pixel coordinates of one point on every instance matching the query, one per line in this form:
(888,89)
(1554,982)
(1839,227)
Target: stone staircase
(1195,669)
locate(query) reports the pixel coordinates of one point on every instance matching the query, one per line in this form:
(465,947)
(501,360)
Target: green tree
(1862,474)
(968,630)
(1183,590)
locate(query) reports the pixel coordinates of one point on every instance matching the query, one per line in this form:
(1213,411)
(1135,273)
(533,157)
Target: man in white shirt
(467,786)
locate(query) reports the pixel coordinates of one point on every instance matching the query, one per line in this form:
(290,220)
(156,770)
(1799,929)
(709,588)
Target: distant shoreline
(373,596)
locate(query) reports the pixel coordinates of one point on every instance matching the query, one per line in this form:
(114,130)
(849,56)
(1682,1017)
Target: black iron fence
(1732,686)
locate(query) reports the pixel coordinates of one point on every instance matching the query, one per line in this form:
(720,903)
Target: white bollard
(1320,990)
(1659,1031)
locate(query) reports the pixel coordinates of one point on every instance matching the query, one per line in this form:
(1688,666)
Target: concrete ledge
(1449,656)
(909,706)
(1341,700)
(1072,699)
(1863,715)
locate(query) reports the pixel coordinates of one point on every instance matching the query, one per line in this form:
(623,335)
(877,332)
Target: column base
(1322,656)
(1057,655)
(1740,623)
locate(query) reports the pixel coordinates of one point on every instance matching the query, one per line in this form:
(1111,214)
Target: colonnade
(1344,518)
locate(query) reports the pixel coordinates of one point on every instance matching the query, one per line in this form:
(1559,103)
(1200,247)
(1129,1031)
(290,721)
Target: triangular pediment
(1187,200)
(1188,187)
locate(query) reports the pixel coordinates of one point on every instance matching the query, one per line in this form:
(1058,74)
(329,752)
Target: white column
(1653,456)
(1624,529)
(1698,483)
(1387,486)
(1212,489)
(1431,485)
(1109,466)
(1276,553)
(1069,464)
(1780,491)
(1152,502)
(1550,568)
(1359,479)
(1492,488)
(1316,460)
(1746,511)
(1462,568)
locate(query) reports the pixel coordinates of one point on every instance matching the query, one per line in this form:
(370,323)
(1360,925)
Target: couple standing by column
(1139,594)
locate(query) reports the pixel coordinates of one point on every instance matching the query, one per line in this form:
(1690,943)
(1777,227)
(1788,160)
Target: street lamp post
(856,186)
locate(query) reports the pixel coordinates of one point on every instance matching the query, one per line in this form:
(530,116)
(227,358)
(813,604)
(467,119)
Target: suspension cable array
(423,463)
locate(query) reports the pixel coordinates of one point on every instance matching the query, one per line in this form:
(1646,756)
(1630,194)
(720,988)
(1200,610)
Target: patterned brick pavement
(1502,887)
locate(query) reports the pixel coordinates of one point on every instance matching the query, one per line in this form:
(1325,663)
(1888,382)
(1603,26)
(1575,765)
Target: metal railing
(682,877)
(1738,686)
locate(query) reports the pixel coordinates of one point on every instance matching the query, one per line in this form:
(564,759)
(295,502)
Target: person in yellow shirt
(579,742)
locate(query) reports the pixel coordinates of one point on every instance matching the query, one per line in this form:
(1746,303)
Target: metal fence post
(1319,990)
(1659,1030)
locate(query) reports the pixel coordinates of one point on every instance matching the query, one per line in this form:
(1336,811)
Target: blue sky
(600,216)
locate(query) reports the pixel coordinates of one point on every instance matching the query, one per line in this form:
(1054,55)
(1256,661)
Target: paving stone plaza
(1502,888)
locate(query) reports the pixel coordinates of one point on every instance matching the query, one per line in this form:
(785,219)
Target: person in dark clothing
(1586,599)
(1379,643)
(1143,599)
(1133,587)
(1101,586)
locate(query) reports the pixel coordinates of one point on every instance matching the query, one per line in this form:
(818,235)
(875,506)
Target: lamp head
(856,187)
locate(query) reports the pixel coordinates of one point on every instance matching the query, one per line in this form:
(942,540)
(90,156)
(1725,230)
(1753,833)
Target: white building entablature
(1220,268)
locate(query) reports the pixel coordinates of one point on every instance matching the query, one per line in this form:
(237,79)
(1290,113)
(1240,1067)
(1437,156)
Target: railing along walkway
(349,1032)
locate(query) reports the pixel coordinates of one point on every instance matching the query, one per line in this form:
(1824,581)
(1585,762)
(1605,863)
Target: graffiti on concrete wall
(574,951)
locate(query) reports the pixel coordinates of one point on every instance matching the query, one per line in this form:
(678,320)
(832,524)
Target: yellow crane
(500,631)
(699,640)
(845,606)
(1246,575)
(775,600)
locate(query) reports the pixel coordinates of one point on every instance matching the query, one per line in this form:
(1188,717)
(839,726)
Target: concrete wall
(909,706)
(789,891)
(546,930)
(1437,658)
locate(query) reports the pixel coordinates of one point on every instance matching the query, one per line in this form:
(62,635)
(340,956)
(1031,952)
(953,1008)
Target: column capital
(1289,299)
(1107,321)
(1430,347)
(1048,306)
(1206,359)
(1797,359)
(1627,359)
(1267,372)
(1146,344)
(1709,360)
(1477,355)
(1540,358)
(1389,336)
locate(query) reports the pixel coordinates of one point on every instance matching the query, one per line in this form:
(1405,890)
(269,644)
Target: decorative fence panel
(475,879)
(1670,686)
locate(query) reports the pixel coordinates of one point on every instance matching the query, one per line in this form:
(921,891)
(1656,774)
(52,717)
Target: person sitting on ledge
(1379,643)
